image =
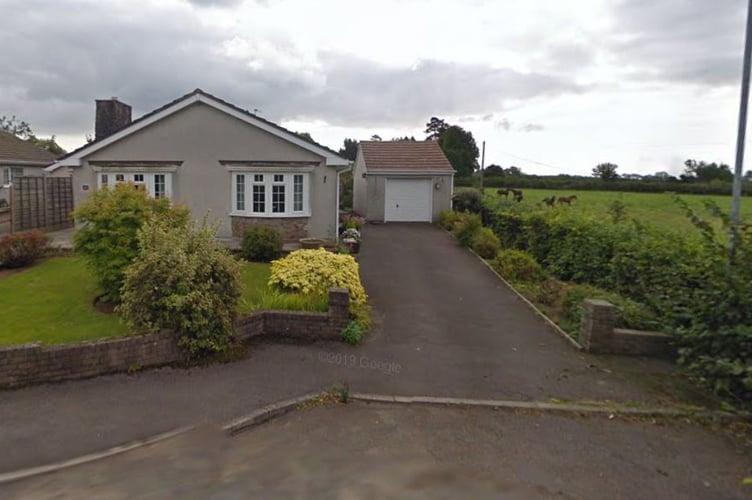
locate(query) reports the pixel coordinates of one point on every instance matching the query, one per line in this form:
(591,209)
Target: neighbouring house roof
(17,151)
(74,157)
(417,156)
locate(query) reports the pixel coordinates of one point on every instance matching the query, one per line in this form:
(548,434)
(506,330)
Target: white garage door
(408,200)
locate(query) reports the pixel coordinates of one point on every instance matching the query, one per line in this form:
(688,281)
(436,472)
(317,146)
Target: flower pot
(311,243)
(353,246)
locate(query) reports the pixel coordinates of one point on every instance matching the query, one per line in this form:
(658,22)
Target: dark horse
(549,202)
(517,193)
(567,199)
(503,192)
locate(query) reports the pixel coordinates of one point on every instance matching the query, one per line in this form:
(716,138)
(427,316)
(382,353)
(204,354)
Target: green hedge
(574,183)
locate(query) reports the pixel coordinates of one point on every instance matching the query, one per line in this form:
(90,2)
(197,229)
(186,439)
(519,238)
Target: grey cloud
(680,40)
(504,124)
(216,3)
(568,57)
(154,54)
(531,127)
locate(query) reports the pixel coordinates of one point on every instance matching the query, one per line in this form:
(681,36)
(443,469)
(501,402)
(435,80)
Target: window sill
(269,216)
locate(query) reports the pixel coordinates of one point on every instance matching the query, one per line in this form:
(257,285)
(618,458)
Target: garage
(402,181)
(408,200)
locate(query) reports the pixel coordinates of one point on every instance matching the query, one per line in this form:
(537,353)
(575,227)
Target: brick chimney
(112,115)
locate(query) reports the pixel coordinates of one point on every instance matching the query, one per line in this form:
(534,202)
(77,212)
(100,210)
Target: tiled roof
(14,149)
(404,155)
(207,94)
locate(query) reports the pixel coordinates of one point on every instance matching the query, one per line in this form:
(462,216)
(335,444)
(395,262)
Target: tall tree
(606,171)
(305,135)
(706,172)
(17,127)
(349,149)
(435,127)
(460,149)
(22,130)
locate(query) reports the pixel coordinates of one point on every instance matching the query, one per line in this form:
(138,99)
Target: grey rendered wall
(201,136)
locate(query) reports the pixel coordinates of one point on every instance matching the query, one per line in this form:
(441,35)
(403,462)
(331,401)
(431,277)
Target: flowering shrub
(22,249)
(315,271)
(351,234)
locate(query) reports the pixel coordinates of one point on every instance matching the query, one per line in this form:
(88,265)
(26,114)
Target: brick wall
(599,335)
(33,363)
(299,324)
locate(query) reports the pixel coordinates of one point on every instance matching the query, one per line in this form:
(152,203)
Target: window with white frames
(270,194)
(159,185)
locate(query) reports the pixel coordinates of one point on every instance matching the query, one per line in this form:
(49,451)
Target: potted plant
(351,238)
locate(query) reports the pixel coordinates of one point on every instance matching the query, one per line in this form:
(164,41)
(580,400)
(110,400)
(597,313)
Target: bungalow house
(19,158)
(215,158)
(402,181)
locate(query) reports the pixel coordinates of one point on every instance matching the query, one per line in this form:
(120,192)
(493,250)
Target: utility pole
(483,161)
(739,165)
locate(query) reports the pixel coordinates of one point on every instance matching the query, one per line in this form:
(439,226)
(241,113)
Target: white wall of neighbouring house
(201,137)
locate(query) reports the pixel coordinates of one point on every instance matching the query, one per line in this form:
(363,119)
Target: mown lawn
(255,276)
(52,303)
(656,208)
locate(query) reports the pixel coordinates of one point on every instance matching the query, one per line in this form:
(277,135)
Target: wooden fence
(42,203)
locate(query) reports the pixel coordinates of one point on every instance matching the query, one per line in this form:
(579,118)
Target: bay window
(271,194)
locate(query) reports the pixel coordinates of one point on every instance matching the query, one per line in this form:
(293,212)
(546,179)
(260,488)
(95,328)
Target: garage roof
(419,156)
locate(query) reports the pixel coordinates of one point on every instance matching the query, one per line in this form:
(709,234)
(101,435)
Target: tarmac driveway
(457,330)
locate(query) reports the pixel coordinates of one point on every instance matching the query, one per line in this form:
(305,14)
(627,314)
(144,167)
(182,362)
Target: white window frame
(269,176)
(109,178)
(9,173)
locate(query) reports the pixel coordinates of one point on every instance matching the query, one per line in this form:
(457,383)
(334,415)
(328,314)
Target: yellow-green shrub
(516,265)
(447,218)
(485,243)
(465,228)
(315,271)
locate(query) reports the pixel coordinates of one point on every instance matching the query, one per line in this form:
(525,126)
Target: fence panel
(42,203)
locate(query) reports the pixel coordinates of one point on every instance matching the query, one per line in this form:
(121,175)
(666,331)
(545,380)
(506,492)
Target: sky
(550,86)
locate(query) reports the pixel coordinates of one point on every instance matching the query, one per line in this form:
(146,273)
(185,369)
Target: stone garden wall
(33,363)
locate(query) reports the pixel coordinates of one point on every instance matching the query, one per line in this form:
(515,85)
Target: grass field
(654,208)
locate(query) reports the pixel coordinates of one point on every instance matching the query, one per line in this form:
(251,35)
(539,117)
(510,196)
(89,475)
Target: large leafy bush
(468,200)
(22,249)
(261,244)
(315,271)
(182,281)
(108,238)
